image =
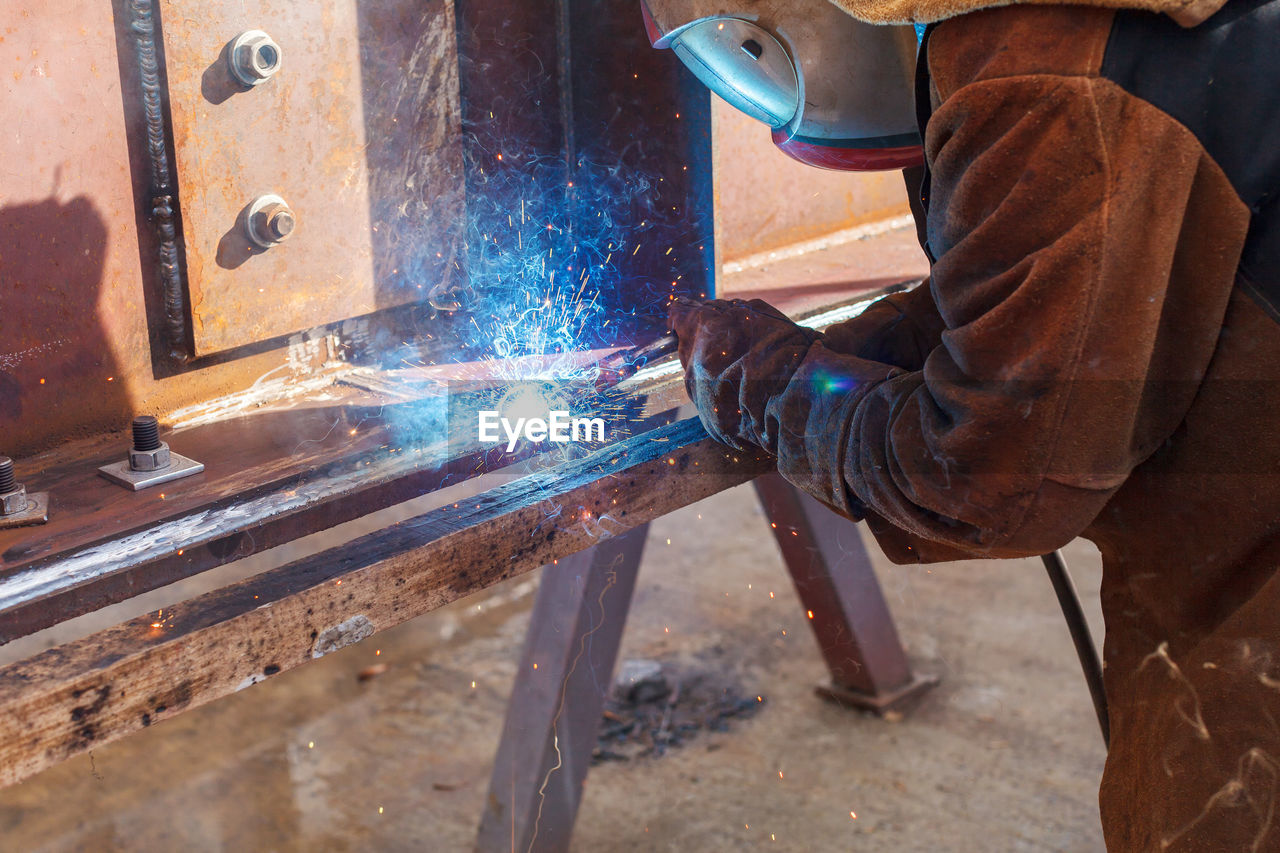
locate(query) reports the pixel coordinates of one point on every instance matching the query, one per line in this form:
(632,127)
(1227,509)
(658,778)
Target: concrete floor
(1004,755)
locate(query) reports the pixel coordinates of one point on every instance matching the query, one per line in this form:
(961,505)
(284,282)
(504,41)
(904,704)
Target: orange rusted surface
(368,159)
(74,339)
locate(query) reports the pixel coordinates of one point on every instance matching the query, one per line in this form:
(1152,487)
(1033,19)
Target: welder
(1095,353)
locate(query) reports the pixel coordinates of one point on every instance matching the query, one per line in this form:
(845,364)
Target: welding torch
(625,364)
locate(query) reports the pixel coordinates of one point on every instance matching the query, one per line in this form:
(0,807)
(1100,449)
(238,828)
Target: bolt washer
(255,208)
(37,512)
(179,467)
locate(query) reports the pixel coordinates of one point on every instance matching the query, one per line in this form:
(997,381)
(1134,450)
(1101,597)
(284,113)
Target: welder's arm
(1067,358)
(900,329)
(1070,351)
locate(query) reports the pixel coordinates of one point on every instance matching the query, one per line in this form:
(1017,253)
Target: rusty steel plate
(357,131)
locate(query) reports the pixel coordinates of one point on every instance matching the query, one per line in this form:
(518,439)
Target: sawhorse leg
(565,674)
(575,632)
(832,574)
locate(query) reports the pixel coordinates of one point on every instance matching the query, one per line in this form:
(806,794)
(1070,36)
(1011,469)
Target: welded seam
(163,209)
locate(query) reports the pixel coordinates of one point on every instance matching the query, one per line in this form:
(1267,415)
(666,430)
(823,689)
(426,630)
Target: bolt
(146,433)
(270,221)
(13,495)
(254,57)
(148,453)
(280,221)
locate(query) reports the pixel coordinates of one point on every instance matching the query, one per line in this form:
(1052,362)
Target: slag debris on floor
(654,708)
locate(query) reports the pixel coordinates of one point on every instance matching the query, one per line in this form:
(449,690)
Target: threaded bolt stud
(146,433)
(8,483)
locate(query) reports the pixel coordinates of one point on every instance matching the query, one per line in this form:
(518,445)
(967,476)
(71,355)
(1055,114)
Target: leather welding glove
(737,356)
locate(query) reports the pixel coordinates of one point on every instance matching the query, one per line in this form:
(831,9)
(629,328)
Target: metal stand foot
(851,621)
(881,704)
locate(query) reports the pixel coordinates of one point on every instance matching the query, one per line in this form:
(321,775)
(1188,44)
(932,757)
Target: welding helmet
(837,92)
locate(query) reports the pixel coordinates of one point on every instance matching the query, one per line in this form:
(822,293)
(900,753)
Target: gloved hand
(737,356)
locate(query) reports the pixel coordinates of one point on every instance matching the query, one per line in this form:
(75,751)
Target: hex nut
(13,503)
(254,57)
(150,460)
(273,224)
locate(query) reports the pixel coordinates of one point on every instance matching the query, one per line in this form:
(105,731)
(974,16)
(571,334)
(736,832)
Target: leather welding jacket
(1097,354)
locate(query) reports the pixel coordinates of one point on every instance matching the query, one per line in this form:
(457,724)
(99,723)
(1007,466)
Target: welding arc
(1069,600)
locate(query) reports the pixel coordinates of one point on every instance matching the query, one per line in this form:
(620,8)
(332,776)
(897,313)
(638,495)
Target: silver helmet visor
(837,93)
(743,64)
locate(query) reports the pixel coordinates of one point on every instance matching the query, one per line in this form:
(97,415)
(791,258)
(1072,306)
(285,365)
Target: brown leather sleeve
(900,330)
(1086,248)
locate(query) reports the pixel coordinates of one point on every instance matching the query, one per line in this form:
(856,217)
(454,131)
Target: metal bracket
(877,703)
(179,467)
(37,512)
